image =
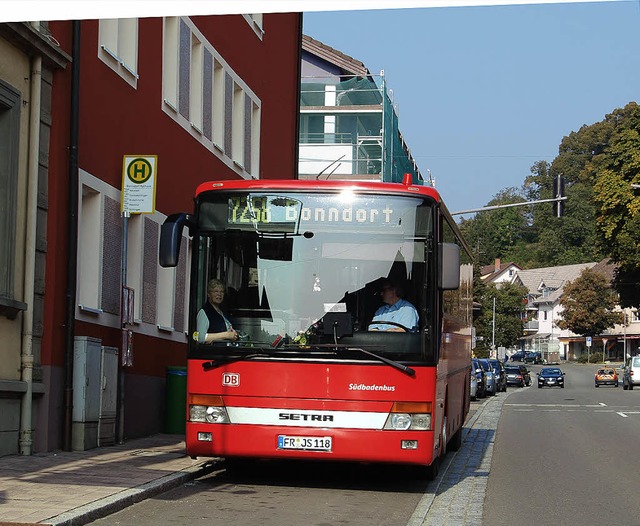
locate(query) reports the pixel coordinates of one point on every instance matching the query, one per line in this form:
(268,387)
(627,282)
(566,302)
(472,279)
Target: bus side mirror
(170,237)
(449,266)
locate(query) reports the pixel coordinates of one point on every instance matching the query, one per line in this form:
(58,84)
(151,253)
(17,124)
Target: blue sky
(485,92)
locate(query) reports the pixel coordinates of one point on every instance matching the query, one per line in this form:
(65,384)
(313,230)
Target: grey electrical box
(108,397)
(86,392)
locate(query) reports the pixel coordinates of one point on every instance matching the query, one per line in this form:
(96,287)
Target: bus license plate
(306,443)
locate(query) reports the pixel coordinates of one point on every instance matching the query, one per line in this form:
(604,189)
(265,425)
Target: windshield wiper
(396,365)
(212,364)
(406,370)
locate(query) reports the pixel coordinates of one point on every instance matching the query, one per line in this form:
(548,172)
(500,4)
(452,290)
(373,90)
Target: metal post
(123,350)
(493,335)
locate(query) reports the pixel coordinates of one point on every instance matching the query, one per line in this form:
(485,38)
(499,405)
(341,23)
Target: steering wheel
(384,322)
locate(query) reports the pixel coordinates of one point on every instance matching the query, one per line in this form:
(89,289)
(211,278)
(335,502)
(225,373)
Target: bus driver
(396,310)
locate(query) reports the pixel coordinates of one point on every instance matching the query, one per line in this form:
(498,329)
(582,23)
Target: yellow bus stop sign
(139,184)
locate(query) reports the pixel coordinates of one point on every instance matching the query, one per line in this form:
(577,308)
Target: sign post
(588,342)
(138,196)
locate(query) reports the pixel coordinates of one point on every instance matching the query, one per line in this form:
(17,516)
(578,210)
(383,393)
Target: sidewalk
(73,488)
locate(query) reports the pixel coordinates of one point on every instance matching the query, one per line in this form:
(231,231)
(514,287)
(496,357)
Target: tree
(588,305)
(614,169)
(492,233)
(510,310)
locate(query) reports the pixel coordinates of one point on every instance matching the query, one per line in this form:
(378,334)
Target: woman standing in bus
(212,323)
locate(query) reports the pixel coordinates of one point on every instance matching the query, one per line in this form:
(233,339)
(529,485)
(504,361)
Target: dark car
(498,372)
(518,356)
(514,375)
(533,357)
(550,377)
(477,369)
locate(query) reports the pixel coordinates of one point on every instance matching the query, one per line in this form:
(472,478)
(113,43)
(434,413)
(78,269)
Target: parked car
(498,371)
(631,373)
(491,377)
(525,373)
(514,375)
(518,356)
(606,376)
(533,357)
(473,386)
(550,377)
(480,377)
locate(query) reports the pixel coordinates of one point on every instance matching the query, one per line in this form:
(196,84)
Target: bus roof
(313,185)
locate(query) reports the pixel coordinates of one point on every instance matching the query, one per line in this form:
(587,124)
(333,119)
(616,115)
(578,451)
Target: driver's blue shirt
(401,312)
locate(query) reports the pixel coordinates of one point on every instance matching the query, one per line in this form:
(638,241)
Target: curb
(422,509)
(123,499)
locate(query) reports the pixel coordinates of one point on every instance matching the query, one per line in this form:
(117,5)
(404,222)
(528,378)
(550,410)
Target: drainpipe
(25,440)
(72,234)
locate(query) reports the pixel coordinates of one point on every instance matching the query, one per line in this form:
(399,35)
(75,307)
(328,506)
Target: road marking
(602,403)
(623,415)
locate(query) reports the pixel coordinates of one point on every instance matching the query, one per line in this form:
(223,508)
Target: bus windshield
(304,273)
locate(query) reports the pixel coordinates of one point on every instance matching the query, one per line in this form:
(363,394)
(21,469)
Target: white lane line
(622,414)
(603,404)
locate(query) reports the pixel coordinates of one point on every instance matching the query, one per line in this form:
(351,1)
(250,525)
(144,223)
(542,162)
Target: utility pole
(493,335)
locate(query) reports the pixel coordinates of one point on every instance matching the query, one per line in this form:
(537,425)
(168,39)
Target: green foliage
(618,204)
(588,305)
(510,310)
(591,357)
(599,162)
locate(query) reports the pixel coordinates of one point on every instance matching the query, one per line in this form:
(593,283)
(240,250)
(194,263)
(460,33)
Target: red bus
(304,377)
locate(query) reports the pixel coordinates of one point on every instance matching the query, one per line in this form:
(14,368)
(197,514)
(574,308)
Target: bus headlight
(207,409)
(409,416)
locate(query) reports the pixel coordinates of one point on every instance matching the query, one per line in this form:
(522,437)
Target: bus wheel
(456,440)
(427,472)
(443,438)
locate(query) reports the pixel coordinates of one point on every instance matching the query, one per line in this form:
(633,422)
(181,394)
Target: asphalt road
(566,456)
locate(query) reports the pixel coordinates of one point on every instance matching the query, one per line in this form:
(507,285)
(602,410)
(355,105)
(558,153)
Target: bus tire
(456,440)
(429,472)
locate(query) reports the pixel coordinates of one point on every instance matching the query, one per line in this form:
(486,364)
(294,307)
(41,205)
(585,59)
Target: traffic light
(558,191)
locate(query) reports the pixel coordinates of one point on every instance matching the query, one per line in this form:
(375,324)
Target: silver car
(631,373)
(491,378)
(473,388)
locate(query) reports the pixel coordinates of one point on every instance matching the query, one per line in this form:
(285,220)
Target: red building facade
(213,97)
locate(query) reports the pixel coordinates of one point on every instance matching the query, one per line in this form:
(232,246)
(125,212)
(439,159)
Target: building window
(255,20)
(237,126)
(90,250)
(195,84)
(208,99)
(9,136)
(118,47)
(545,316)
(135,245)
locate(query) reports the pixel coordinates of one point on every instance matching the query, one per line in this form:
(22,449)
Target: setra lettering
(305,417)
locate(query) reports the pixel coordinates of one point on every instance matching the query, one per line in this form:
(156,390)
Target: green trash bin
(176,401)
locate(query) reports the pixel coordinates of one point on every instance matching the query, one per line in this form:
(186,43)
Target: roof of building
(552,279)
(348,64)
(491,272)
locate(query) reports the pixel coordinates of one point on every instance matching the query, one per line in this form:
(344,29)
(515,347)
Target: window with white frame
(118,46)
(166,296)
(135,246)
(90,250)
(256,21)
(195,84)
(237,126)
(208,99)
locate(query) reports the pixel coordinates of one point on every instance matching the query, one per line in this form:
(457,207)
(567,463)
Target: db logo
(231,379)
